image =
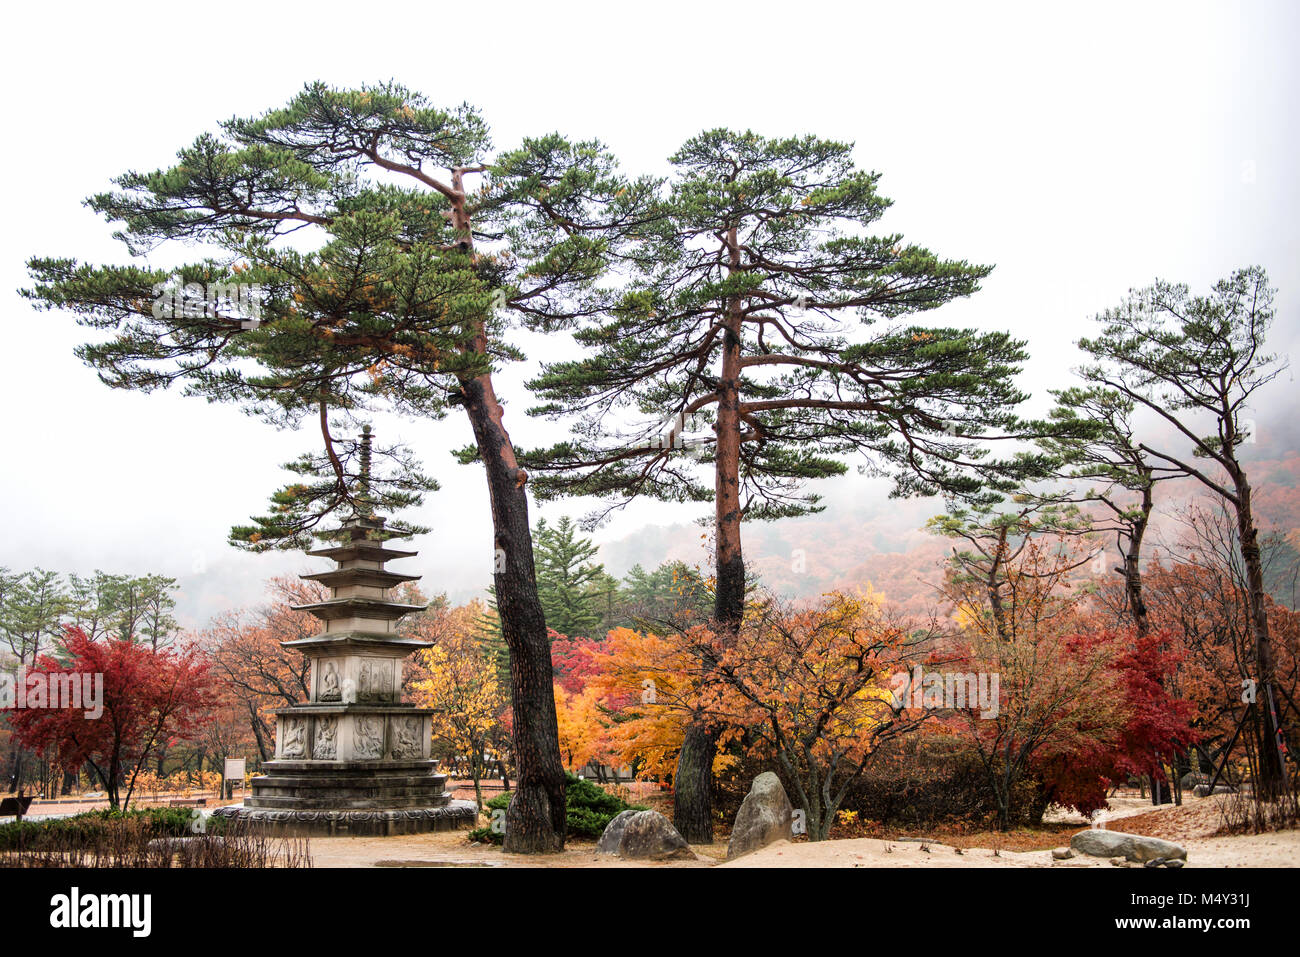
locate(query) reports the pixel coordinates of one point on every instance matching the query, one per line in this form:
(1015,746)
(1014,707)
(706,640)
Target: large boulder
(643,835)
(612,836)
(1100,842)
(765,816)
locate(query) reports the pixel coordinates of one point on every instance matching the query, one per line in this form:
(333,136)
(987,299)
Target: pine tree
(606,601)
(671,596)
(995,536)
(32,613)
(426,245)
(33,606)
(494,641)
(1100,444)
(1196,362)
(755,316)
(566,578)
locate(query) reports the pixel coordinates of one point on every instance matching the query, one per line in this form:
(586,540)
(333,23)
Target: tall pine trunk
(535,820)
(993,586)
(693,782)
(1272,774)
(1161,792)
(1133,568)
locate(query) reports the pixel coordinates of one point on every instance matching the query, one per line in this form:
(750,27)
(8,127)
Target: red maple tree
(1155,724)
(150,699)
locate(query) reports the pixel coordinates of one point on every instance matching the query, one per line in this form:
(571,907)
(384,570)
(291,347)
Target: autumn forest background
(1105,539)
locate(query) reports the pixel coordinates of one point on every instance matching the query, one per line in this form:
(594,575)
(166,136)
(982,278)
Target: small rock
(1175,863)
(1062,853)
(1203,790)
(1154,862)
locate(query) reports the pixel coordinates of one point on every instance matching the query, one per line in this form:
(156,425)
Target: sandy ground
(1192,825)
(450,849)
(1254,850)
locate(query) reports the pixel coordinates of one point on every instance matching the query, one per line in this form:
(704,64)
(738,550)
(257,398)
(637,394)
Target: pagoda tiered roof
(387,639)
(366,549)
(359,607)
(363,618)
(376,577)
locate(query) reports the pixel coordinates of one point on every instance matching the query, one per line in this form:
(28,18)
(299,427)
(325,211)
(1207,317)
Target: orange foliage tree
(584,728)
(805,688)
(650,686)
(255,671)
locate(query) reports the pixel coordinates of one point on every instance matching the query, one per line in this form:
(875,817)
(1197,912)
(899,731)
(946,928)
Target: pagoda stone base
(348,785)
(303,798)
(352,823)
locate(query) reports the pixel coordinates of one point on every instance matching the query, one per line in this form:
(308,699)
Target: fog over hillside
(863,536)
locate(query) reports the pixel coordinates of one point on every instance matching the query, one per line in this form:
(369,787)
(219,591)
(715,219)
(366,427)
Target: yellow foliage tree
(457,679)
(583,727)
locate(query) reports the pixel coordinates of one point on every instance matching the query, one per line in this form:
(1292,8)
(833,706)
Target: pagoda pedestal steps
(353,759)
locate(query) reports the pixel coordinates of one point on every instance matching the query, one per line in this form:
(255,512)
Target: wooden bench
(15,806)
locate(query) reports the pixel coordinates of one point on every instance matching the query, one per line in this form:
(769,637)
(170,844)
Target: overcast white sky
(1083,148)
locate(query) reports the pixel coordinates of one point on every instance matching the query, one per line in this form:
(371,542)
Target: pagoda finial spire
(363,501)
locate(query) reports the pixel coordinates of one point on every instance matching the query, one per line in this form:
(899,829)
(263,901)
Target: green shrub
(484,835)
(581,793)
(87,826)
(587,823)
(588,810)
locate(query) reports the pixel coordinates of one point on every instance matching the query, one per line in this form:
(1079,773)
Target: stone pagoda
(354,759)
